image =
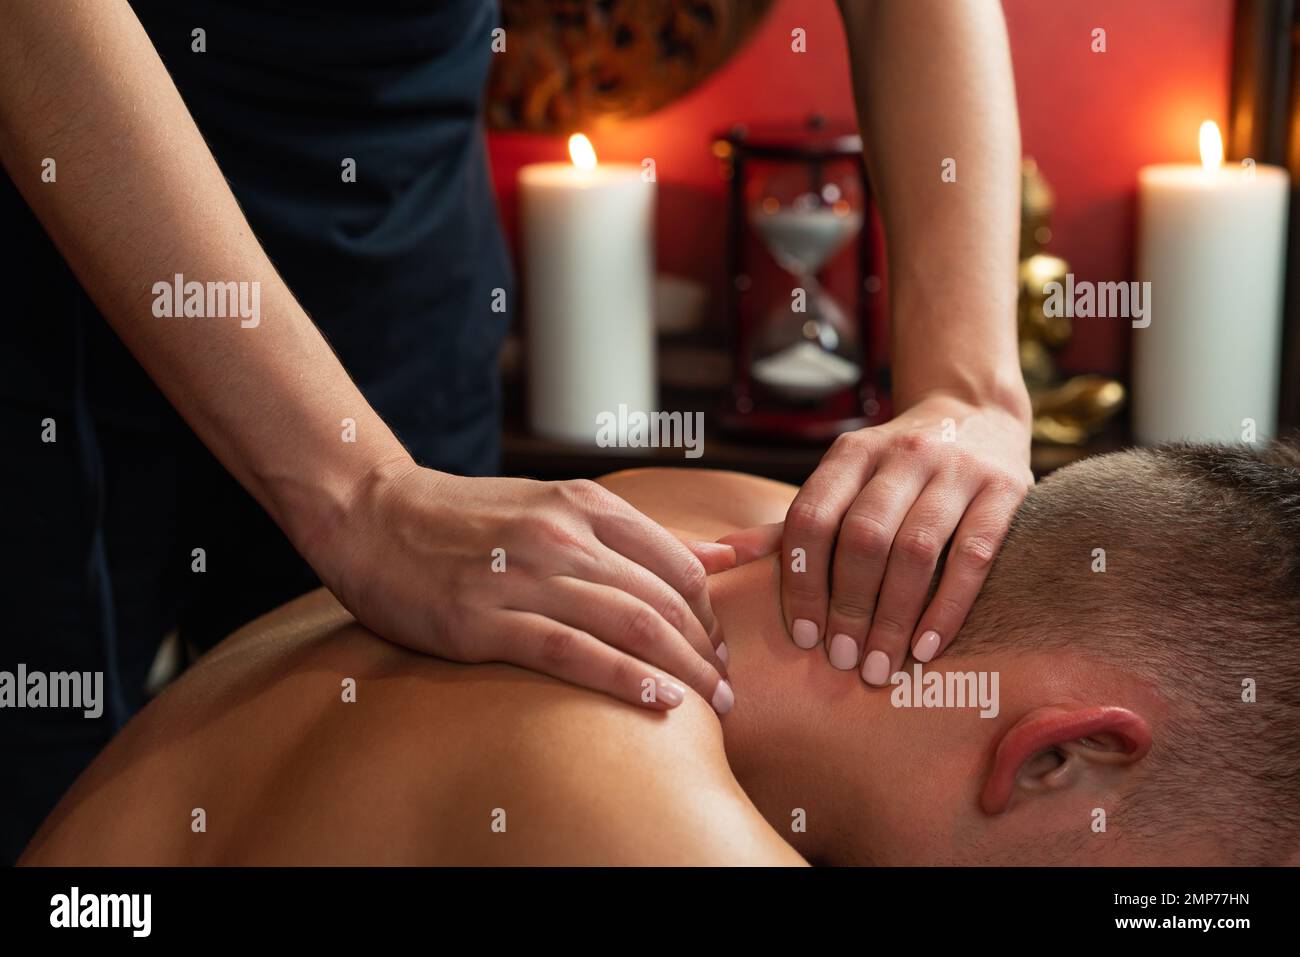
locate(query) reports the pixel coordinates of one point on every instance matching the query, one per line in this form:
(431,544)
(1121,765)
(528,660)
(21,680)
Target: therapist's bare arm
(138,199)
(935,96)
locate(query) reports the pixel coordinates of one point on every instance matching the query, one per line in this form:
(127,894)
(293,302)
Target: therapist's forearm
(933,81)
(138,198)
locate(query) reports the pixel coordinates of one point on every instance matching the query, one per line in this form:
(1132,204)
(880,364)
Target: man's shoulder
(599,782)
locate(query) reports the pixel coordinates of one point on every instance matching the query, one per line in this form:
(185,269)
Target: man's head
(1141,620)
(1180,567)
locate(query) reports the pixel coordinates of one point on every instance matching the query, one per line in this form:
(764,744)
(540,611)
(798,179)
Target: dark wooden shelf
(528,455)
(698,382)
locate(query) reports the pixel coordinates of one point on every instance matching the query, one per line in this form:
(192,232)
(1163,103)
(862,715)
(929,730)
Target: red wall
(1090,120)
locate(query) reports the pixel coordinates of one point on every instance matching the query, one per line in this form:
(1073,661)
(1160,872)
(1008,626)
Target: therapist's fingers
(970,556)
(578,657)
(861,556)
(612,569)
(811,526)
(714,556)
(631,625)
(647,543)
(912,560)
(751,544)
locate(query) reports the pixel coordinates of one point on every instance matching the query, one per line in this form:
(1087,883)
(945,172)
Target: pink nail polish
(844,652)
(712,547)
(875,670)
(669,692)
(723,654)
(723,698)
(806,634)
(926,646)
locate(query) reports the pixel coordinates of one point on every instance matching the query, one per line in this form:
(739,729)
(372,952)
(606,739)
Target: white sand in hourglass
(803,238)
(805,371)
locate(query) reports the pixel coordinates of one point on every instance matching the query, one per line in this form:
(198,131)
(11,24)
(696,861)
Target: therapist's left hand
(874,519)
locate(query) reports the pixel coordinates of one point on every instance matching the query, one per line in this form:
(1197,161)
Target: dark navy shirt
(397,269)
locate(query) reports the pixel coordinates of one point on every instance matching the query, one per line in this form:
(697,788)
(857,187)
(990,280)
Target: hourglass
(802,359)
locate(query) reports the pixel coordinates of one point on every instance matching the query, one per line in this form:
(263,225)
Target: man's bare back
(432,762)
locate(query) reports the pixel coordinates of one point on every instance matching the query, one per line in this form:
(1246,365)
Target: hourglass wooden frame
(751,408)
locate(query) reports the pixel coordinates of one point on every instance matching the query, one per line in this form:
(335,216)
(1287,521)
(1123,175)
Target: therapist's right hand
(563,578)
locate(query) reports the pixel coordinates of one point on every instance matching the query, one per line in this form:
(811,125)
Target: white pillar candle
(1212,242)
(588,263)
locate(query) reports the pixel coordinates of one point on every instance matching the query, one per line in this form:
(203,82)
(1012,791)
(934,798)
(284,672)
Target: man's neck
(785,737)
(816,748)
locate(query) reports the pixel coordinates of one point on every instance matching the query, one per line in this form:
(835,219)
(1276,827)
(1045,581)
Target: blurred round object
(568,63)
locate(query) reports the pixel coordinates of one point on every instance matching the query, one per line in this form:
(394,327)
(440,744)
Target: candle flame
(581,152)
(1211,146)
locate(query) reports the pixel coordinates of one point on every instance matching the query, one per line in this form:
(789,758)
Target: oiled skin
(431,754)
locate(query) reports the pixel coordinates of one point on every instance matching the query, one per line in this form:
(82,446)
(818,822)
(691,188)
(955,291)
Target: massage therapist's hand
(563,578)
(873,521)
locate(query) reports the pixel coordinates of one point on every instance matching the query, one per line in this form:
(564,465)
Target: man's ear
(1053,747)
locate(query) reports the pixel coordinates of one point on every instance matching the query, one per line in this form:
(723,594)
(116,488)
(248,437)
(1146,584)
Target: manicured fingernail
(669,692)
(723,654)
(875,670)
(716,550)
(806,634)
(844,652)
(926,646)
(723,698)
(713,548)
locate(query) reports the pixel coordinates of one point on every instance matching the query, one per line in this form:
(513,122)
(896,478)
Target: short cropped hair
(1200,596)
